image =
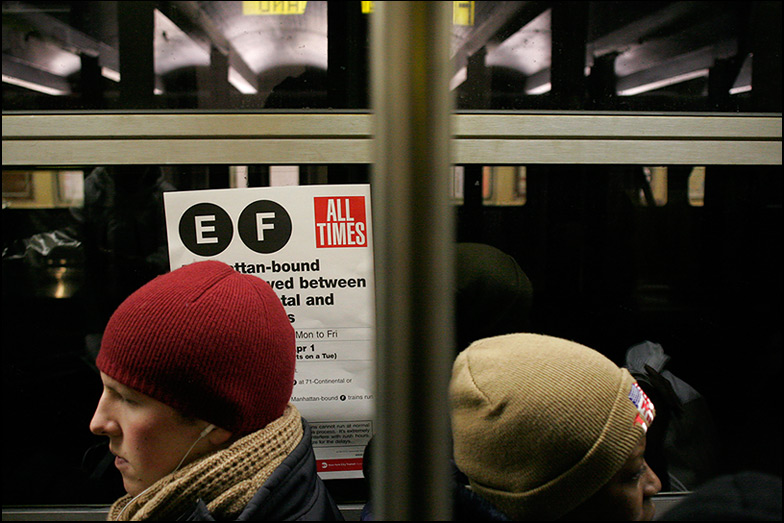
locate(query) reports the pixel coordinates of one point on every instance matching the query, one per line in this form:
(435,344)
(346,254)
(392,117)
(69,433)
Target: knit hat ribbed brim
(540,424)
(209,342)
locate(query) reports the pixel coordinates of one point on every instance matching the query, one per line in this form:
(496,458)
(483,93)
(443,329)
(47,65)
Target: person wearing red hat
(198,370)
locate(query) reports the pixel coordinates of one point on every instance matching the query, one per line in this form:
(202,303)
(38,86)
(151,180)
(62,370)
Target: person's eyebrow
(111,388)
(120,389)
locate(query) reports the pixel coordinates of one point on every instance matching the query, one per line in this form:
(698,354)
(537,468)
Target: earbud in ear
(209,428)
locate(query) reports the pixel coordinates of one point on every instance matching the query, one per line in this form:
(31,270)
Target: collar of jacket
(293,491)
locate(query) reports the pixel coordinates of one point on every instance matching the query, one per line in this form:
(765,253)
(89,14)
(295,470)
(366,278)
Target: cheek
(633,501)
(154,451)
(626,503)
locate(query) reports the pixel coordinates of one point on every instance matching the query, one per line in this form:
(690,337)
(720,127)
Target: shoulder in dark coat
(293,492)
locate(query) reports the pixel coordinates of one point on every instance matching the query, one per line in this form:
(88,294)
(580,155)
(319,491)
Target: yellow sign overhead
(463,13)
(367,7)
(273,8)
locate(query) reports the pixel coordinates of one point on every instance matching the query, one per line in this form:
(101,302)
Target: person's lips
(120,462)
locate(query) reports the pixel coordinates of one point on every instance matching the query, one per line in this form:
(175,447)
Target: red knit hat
(208,341)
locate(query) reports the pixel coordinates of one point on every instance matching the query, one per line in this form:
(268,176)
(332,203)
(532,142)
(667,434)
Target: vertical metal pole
(414,245)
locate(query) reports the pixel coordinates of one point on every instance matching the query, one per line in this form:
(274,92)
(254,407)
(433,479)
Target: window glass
(43,189)
(672,56)
(653,190)
(609,269)
(186,55)
(77,242)
(641,56)
(501,185)
(697,187)
(606,271)
(688,256)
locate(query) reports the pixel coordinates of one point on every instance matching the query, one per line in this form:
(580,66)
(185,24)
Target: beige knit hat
(540,424)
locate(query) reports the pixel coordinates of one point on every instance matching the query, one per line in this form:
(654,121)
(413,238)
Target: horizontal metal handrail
(346,138)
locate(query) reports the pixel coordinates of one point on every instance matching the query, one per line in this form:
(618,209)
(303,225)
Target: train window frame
(319,140)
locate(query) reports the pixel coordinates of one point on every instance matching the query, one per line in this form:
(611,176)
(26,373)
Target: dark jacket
(468,505)
(293,492)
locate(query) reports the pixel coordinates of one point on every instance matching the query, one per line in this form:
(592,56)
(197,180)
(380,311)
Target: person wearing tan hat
(197,369)
(547,429)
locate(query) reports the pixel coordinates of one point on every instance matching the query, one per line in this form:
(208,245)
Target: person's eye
(126,399)
(636,477)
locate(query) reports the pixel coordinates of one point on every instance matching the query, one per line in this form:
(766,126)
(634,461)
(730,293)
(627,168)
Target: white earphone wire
(204,432)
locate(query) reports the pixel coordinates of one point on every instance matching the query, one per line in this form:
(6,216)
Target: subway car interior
(625,155)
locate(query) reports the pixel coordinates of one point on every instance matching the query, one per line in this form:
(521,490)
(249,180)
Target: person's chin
(131,486)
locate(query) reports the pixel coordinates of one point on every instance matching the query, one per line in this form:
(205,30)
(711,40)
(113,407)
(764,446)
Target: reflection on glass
(42,189)
(697,187)
(654,190)
(604,265)
(690,56)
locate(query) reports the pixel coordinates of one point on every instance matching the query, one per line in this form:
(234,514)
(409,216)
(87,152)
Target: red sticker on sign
(339,465)
(340,221)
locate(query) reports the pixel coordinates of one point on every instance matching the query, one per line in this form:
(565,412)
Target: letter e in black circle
(206,229)
(264,226)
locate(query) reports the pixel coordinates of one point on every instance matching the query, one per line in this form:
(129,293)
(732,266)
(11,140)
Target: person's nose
(103,422)
(651,483)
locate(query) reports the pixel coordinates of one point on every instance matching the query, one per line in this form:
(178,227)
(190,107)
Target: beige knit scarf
(226,480)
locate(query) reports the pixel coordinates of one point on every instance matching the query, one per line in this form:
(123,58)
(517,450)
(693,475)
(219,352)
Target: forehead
(120,388)
(152,405)
(112,383)
(636,456)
